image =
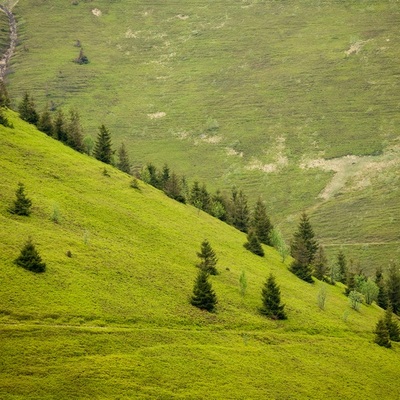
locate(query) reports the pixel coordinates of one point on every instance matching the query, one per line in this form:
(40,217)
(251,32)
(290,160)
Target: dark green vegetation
(111,315)
(294,101)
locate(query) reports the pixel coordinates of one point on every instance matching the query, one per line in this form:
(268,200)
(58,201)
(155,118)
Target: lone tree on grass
(203,296)
(382,334)
(208,258)
(22,204)
(30,259)
(253,244)
(103,149)
(271,299)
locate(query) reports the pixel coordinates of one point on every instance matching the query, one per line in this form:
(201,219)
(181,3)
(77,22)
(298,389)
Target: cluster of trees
(387,330)
(204,296)
(232,209)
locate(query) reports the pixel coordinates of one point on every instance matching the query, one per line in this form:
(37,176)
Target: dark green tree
(382,334)
(383,299)
(240,211)
(301,266)
(59,127)
(320,264)
(271,300)
(30,259)
(103,148)
(82,58)
(393,288)
(173,188)
(75,132)
(392,325)
(123,159)
(45,123)
(4,120)
(203,296)
(350,283)
(4,98)
(27,110)
(261,224)
(304,238)
(164,176)
(208,258)
(22,204)
(253,244)
(342,270)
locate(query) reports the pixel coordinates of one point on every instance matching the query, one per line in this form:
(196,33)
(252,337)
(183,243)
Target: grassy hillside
(114,320)
(259,94)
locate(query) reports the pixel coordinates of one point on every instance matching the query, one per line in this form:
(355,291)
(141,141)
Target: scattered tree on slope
(203,296)
(30,259)
(22,204)
(208,258)
(271,300)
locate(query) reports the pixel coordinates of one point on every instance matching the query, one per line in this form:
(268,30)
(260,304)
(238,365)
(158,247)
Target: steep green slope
(114,320)
(252,93)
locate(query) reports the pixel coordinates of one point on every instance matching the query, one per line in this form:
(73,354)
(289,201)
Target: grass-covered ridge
(252,93)
(114,321)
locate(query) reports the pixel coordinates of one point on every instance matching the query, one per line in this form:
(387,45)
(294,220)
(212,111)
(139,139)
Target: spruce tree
(350,283)
(253,244)
(382,334)
(261,224)
(45,123)
(392,325)
(203,296)
(123,159)
(320,264)
(173,188)
(382,299)
(103,149)
(271,300)
(59,127)
(342,267)
(22,204)
(30,259)
(301,266)
(27,110)
(240,211)
(208,258)
(393,288)
(4,120)
(75,132)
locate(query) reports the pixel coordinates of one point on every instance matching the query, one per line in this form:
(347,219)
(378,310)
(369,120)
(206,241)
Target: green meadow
(114,319)
(269,96)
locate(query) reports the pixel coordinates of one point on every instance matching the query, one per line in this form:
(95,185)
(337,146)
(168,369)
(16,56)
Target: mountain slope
(272,97)
(114,320)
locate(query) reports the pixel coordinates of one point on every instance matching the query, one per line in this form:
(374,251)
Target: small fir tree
(103,148)
(22,204)
(320,264)
(59,126)
(203,296)
(208,258)
(27,110)
(382,334)
(239,210)
(45,123)
(393,288)
(123,159)
(30,259)
(341,267)
(75,132)
(300,265)
(261,224)
(271,300)
(392,325)
(382,299)
(350,283)
(4,120)
(253,244)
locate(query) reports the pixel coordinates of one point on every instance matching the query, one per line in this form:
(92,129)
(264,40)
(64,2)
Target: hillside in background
(296,101)
(114,320)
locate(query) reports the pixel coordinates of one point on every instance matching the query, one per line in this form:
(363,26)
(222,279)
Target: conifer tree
(304,238)
(30,259)
(103,149)
(271,300)
(22,204)
(320,264)
(59,126)
(173,188)
(261,224)
(392,325)
(342,267)
(27,110)
(393,287)
(382,334)
(164,176)
(4,120)
(253,244)
(240,211)
(203,296)
(208,258)
(45,123)
(382,299)
(350,283)
(75,132)
(4,98)
(123,159)
(196,197)
(301,266)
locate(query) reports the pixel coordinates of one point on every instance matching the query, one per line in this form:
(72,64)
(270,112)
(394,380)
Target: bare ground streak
(5,59)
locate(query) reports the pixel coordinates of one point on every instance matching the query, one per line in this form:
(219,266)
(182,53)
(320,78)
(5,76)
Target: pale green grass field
(114,321)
